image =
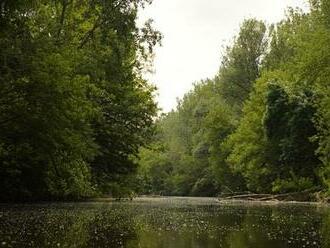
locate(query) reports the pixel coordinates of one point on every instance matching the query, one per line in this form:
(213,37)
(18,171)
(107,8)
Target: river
(171,222)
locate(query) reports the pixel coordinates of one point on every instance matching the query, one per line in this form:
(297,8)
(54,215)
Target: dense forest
(78,119)
(74,107)
(261,125)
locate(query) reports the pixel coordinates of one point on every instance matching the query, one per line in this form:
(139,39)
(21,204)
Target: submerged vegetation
(260,125)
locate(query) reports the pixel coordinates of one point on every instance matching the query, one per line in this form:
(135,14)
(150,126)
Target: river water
(165,222)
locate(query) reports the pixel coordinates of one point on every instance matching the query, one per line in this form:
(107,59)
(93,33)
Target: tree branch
(97,24)
(64,6)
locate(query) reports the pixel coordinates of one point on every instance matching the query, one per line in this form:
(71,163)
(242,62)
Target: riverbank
(212,200)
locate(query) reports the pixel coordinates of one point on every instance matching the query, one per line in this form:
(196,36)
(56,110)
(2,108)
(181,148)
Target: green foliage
(74,108)
(247,143)
(262,124)
(283,149)
(289,134)
(77,118)
(207,115)
(292,184)
(240,66)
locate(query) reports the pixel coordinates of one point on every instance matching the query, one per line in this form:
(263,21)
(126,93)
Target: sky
(195,32)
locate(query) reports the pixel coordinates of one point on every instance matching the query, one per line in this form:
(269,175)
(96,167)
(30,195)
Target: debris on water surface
(136,224)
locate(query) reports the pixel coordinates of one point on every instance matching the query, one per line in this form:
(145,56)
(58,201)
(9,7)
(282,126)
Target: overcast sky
(194,33)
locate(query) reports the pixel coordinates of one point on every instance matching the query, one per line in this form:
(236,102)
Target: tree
(289,127)
(74,106)
(240,66)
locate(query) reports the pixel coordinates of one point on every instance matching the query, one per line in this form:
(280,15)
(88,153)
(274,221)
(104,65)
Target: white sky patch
(194,33)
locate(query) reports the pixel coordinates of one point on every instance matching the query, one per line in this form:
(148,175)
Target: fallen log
(234,193)
(254,196)
(306,195)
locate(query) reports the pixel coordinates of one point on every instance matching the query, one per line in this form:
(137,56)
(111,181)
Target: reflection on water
(166,222)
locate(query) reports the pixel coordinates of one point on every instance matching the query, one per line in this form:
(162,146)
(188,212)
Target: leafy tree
(291,152)
(240,66)
(247,144)
(74,107)
(207,115)
(281,150)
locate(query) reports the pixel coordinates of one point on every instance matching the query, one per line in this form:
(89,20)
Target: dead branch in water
(306,195)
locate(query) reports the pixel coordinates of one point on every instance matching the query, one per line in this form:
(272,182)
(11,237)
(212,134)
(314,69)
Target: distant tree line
(74,107)
(262,124)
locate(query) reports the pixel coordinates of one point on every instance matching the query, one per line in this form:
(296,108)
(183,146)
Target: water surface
(165,222)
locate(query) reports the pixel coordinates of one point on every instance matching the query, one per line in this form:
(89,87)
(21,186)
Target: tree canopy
(74,107)
(78,119)
(261,124)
